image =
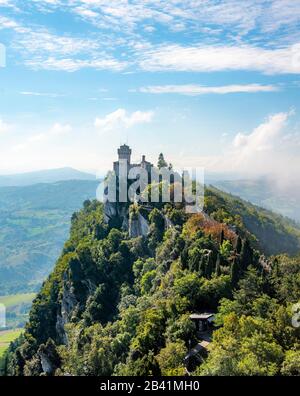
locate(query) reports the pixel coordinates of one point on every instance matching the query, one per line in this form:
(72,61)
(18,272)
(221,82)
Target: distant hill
(263,192)
(34,222)
(269,232)
(44,176)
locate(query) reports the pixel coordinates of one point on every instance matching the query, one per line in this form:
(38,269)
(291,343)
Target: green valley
(34,222)
(6,337)
(17,309)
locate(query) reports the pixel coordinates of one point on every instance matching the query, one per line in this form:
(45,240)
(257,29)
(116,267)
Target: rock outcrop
(67,306)
(138,226)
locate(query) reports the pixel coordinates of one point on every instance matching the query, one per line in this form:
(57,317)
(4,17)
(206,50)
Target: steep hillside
(263,192)
(34,223)
(121,305)
(270,233)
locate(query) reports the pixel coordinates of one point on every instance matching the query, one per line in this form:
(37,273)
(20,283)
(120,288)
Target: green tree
(226,249)
(99,306)
(238,247)
(161,163)
(157,228)
(147,281)
(171,359)
(291,364)
(218,266)
(246,255)
(235,272)
(244,346)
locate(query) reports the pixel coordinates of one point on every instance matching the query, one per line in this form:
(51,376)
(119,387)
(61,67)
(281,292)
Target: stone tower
(124,152)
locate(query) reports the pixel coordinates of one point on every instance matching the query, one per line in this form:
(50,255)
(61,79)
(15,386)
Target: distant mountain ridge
(44,176)
(264,193)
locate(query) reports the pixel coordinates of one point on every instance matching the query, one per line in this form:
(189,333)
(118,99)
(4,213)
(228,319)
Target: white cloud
(242,16)
(8,23)
(72,65)
(41,41)
(4,2)
(231,36)
(85,12)
(122,119)
(4,127)
(35,138)
(42,49)
(149,29)
(215,17)
(218,58)
(269,150)
(8,3)
(193,89)
(57,130)
(262,139)
(60,129)
(46,94)
(281,13)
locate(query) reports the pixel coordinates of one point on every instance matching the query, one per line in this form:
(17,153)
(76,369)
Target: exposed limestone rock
(110,211)
(138,226)
(60,329)
(68,304)
(46,364)
(116,210)
(49,357)
(125,224)
(90,285)
(168,223)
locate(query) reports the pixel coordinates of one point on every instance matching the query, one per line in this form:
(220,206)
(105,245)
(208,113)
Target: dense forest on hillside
(271,233)
(121,305)
(265,192)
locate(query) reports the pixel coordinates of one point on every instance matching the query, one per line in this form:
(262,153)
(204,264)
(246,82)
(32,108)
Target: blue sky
(209,82)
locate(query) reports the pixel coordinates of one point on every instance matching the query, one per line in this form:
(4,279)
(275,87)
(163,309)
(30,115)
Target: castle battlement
(124,153)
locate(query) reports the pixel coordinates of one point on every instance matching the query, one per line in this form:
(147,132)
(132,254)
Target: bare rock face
(168,223)
(68,304)
(110,211)
(116,210)
(60,329)
(138,226)
(46,364)
(89,285)
(49,357)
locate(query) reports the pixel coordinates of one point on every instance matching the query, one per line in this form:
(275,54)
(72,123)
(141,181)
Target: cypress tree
(210,265)
(238,245)
(202,266)
(222,237)
(246,255)
(235,272)
(161,163)
(218,267)
(275,269)
(184,258)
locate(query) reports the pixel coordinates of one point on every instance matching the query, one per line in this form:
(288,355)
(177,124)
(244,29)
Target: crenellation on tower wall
(124,153)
